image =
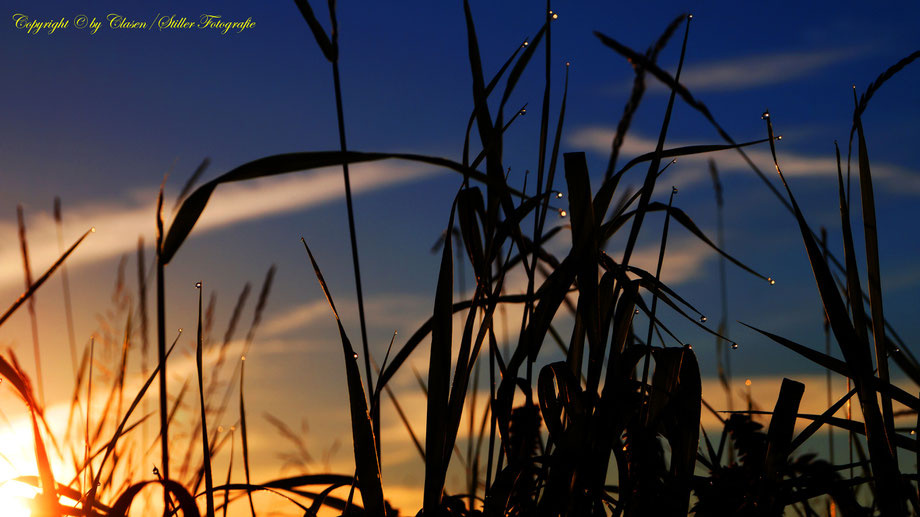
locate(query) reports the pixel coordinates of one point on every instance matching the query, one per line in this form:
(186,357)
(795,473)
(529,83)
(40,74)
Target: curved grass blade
(185,499)
(195,203)
(23,387)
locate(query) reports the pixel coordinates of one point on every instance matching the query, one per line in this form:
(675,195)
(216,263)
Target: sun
(16,498)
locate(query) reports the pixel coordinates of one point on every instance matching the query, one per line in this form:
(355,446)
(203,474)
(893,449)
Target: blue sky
(99,118)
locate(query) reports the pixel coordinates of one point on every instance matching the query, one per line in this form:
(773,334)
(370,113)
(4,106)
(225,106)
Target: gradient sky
(97,119)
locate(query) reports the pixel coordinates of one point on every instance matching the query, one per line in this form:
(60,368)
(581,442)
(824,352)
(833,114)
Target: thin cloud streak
(119,225)
(758,70)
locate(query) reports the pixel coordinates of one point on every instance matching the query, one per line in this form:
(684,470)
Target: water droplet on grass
(766,115)
(771,281)
(563,213)
(355,355)
(198,285)
(734,346)
(703,319)
(558,195)
(673,190)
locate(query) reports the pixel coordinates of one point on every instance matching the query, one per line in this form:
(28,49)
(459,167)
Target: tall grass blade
(857,356)
(872,265)
(33,318)
(584,253)
(206,450)
(638,90)
(161,342)
(65,281)
(651,175)
(245,438)
(366,460)
(436,448)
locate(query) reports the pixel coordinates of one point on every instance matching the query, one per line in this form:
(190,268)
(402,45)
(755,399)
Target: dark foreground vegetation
(613,425)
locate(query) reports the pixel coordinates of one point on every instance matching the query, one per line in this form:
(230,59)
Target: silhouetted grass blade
(872,265)
(329,49)
(206,450)
(436,448)
(185,499)
(195,203)
(366,460)
(41,280)
(857,356)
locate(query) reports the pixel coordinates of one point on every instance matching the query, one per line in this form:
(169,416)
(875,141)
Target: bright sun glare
(15,498)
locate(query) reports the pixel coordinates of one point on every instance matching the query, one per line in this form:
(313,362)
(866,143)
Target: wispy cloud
(118,224)
(693,169)
(759,69)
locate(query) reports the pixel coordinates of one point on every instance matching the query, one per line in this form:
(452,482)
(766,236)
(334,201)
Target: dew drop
(771,281)
(555,16)
(688,346)
(180,330)
(92,230)
(779,137)
(355,355)
(637,311)
(747,382)
(198,285)
(233,428)
(558,195)
(734,346)
(673,190)
(703,319)
(568,64)
(525,43)
(220,429)
(523,111)
(563,213)
(766,115)
(242,358)
(895,350)
(913,432)
(689,16)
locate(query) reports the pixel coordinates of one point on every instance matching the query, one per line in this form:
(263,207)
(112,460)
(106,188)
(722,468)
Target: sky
(99,118)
